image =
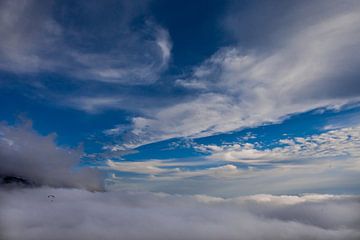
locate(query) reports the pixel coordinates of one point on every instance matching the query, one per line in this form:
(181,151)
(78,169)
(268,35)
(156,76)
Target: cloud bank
(79,214)
(39,160)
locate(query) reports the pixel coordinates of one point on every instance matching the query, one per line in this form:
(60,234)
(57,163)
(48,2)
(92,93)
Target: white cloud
(340,143)
(143,167)
(316,66)
(323,162)
(78,214)
(26,154)
(231,180)
(35,40)
(163,41)
(95,104)
(160,170)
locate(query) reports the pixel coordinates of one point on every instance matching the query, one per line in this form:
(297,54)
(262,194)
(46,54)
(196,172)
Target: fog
(80,214)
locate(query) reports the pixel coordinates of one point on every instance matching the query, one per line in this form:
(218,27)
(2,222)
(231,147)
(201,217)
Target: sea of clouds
(70,203)
(81,214)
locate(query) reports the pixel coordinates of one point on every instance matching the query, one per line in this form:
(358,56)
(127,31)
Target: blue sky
(211,97)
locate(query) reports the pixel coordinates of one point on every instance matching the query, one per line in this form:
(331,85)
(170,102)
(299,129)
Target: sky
(213,105)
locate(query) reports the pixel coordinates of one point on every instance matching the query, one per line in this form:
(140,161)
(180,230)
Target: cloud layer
(316,163)
(78,214)
(339,143)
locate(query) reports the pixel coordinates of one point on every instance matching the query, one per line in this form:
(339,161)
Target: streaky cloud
(46,44)
(315,65)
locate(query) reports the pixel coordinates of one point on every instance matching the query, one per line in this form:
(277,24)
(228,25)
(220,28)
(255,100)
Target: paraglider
(51,197)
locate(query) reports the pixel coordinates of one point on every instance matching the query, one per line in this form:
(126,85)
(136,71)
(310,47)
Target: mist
(80,214)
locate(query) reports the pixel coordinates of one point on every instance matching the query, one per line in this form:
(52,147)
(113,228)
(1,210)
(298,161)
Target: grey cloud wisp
(34,40)
(314,64)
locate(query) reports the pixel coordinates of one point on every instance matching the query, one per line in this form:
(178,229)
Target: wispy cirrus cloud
(313,65)
(173,170)
(36,39)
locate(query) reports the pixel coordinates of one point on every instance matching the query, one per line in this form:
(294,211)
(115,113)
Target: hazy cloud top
(78,214)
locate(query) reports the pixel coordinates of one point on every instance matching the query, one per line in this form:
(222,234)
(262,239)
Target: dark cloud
(37,160)
(79,214)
